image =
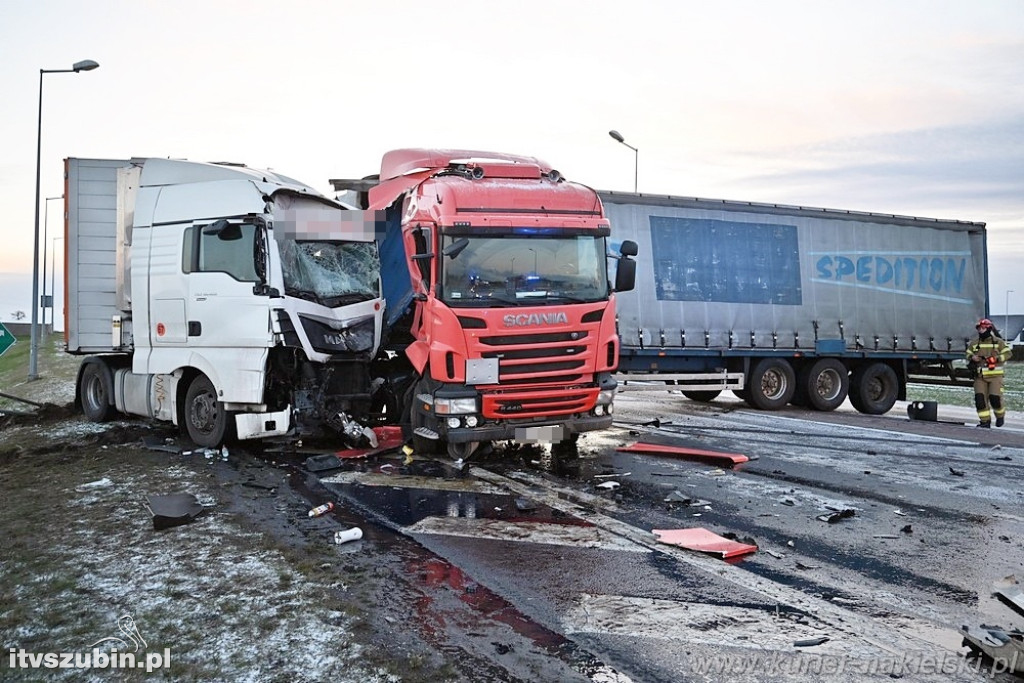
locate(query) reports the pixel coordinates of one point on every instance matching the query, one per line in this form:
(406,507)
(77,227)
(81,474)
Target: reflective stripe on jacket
(989,348)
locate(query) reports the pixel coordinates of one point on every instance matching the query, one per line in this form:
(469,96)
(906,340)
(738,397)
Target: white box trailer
(794,304)
(226,299)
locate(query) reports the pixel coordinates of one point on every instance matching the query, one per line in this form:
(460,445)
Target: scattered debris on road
(103,483)
(173,509)
(955,472)
(353,534)
(686,501)
(712,457)
(838,516)
(704,541)
(1008,590)
(1004,648)
(321,509)
(608,485)
(811,642)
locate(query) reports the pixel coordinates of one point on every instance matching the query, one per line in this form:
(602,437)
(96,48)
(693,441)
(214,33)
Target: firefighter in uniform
(987,354)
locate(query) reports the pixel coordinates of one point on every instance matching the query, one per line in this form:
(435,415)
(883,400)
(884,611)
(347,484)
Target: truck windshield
(476,271)
(330,273)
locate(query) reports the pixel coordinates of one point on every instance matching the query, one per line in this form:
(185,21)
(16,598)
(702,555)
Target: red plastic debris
(714,457)
(388,437)
(703,541)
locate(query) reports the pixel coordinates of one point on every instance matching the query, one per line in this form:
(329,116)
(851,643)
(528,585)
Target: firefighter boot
(1000,421)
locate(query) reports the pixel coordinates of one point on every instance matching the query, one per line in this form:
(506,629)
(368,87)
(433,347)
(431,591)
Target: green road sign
(7,339)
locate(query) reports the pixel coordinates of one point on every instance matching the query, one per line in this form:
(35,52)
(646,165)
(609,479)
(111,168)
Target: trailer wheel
(874,388)
(825,383)
(772,383)
(95,385)
(702,396)
(206,420)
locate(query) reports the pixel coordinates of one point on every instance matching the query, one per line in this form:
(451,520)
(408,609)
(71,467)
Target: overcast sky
(891,106)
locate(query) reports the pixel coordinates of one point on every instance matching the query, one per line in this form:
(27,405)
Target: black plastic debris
(156,443)
(810,642)
(908,529)
(173,509)
(834,517)
(322,463)
(956,473)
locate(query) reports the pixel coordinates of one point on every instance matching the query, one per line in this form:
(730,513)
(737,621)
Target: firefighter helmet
(984,324)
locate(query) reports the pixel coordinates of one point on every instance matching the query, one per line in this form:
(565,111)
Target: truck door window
(230,251)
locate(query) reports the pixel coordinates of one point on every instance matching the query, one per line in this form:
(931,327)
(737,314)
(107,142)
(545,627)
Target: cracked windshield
(523,270)
(331,273)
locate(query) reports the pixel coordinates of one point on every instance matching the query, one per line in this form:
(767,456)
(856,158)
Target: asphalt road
(587,592)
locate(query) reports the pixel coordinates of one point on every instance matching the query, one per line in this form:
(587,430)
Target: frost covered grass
(229,603)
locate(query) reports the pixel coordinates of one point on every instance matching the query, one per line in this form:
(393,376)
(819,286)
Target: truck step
(426,433)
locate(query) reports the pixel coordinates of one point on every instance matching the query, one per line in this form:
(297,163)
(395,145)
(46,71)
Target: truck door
(222,309)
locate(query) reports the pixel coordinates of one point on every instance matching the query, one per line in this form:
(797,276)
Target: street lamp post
(46,224)
(33,345)
(1006,322)
(617,136)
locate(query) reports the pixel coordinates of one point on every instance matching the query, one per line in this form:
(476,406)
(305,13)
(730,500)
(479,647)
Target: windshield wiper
(349,298)
(307,294)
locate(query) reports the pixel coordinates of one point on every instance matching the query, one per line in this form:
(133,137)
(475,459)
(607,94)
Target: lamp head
(617,136)
(84,65)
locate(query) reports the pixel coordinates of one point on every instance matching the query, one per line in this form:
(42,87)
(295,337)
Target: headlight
(454,406)
(604,398)
(472,421)
(454,423)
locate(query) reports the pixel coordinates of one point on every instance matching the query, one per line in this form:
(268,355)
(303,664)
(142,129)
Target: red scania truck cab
(500,319)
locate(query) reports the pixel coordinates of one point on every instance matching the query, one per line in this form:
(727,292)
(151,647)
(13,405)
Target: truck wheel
(421,445)
(206,420)
(702,396)
(95,383)
(874,388)
(772,383)
(825,383)
(461,451)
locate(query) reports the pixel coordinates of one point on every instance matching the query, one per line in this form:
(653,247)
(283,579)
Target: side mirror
(224,230)
(625,275)
(628,248)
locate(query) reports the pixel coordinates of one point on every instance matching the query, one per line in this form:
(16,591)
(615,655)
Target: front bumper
(507,431)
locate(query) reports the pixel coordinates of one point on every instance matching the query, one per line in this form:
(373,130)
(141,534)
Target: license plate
(548,434)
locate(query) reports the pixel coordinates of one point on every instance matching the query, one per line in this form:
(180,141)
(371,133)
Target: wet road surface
(555,552)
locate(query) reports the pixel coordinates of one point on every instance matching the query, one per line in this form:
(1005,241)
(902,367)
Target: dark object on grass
(956,473)
(173,509)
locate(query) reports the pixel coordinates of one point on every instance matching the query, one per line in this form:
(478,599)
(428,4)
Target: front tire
(94,385)
(206,420)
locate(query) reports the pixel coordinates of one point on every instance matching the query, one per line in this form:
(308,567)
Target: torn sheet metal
(1012,596)
(704,541)
(388,438)
(712,457)
(1004,648)
(174,509)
